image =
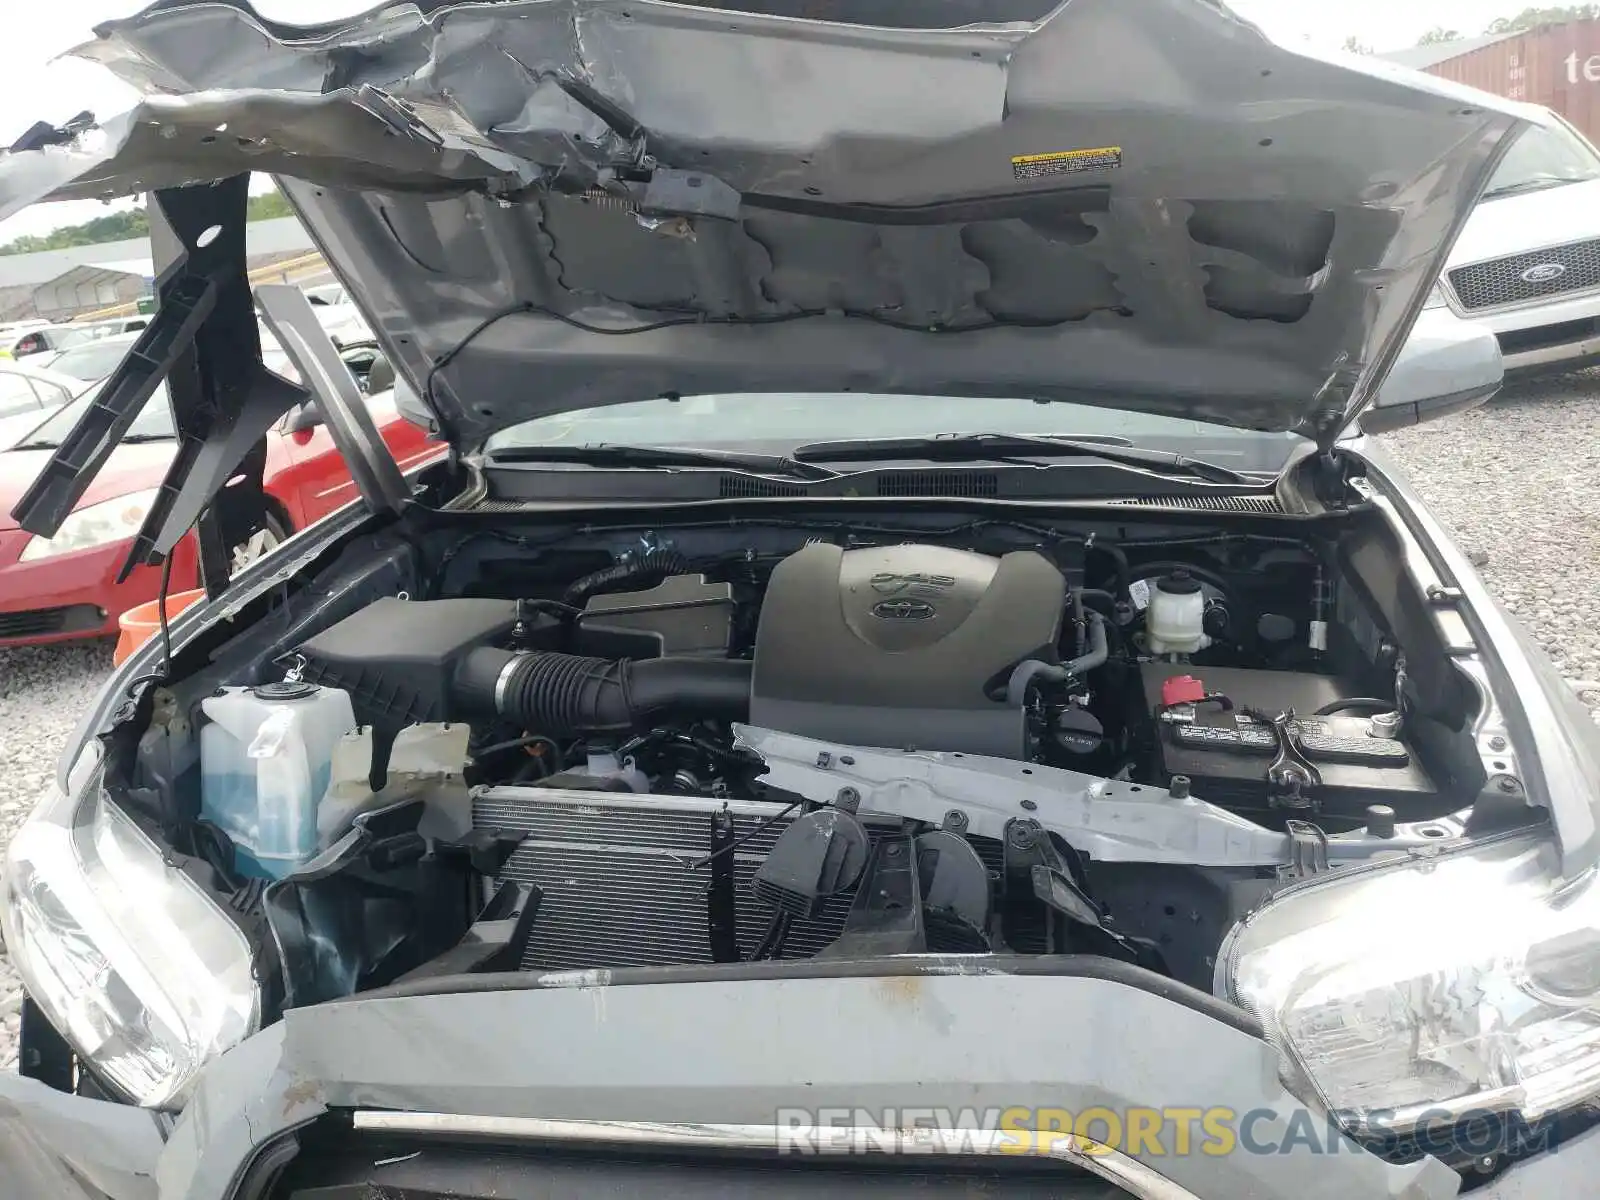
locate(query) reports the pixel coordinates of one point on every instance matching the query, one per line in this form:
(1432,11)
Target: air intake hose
(643,571)
(564,695)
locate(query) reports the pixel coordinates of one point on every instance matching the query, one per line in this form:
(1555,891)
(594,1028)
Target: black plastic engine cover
(899,646)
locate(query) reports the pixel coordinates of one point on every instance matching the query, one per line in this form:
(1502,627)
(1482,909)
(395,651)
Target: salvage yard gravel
(1517,481)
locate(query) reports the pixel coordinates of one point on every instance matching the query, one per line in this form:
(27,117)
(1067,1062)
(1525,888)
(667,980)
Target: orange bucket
(142,622)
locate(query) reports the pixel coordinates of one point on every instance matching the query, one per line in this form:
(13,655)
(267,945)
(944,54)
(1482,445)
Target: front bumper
(1561,333)
(67,597)
(59,1146)
(1556,348)
(781,1047)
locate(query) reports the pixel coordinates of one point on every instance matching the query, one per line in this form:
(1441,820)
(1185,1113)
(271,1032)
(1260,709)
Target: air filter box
(683,616)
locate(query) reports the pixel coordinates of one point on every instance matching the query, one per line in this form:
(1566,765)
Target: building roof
(261,237)
(84,286)
(142,267)
(1420,58)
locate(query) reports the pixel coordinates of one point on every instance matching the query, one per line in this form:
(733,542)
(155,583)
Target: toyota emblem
(1544,272)
(903,610)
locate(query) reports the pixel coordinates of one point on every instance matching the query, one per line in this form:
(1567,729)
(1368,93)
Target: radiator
(615,873)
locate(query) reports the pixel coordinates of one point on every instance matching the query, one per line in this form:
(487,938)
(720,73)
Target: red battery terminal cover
(1182,689)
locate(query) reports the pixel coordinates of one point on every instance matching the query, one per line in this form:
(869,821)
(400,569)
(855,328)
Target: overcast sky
(32,88)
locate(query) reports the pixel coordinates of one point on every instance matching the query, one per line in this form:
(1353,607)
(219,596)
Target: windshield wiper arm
(1013,447)
(608,454)
(1537,184)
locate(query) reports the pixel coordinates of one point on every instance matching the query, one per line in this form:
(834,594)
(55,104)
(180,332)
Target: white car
(340,319)
(1527,265)
(28,395)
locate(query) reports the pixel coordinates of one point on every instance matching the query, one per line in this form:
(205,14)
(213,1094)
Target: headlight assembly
(129,959)
(1418,993)
(94,525)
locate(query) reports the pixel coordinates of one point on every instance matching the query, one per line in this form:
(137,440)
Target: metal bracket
(1308,850)
(690,193)
(187,300)
(496,940)
(886,915)
(1074,922)
(224,400)
(1291,776)
(721,893)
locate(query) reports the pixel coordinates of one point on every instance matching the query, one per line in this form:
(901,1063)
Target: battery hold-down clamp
(1291,776)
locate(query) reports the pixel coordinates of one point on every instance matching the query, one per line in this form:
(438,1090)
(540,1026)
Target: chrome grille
(1503,281)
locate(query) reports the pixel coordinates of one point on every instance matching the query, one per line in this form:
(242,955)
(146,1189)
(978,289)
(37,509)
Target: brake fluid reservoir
(1175,620)
(266,759)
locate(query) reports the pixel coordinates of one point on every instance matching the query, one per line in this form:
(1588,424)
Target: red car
(62,588)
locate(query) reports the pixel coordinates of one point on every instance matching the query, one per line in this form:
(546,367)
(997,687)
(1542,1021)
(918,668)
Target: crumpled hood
(1139,203)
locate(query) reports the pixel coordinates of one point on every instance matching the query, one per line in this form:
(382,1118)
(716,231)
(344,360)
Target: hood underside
(1144,204)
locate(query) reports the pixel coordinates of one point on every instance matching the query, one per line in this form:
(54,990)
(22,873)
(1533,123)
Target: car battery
(1225,751)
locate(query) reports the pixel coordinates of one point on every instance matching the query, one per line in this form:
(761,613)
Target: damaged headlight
(1415,994)
(138,969)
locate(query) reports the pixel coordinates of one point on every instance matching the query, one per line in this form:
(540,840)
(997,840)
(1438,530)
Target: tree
(1532,18)
(113,227)
(1355,45)
(268,207)
(1438,34)
(130,224)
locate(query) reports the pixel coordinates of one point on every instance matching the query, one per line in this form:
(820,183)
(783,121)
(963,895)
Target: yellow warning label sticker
(1066,162)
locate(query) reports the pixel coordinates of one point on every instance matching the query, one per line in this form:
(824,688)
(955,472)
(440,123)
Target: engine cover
(899,646)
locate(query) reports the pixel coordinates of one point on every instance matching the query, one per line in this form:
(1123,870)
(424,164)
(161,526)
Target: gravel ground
(42,693)
(1518,482)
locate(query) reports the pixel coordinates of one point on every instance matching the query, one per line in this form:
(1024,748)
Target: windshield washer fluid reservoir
(266,759)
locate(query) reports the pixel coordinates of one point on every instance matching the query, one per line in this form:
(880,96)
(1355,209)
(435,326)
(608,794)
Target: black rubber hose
(1033,670)
(1349,702)
(1120,570)
(1102,602)
(565,695)
(642,571)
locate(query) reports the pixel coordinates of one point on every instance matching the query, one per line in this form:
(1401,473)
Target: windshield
(1544,156)
(93,360)
(780,421)
(154,422)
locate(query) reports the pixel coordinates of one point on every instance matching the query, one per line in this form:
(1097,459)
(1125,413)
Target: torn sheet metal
(1143,204)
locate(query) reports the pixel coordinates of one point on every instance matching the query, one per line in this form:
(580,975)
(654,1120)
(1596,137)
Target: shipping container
(1557,66)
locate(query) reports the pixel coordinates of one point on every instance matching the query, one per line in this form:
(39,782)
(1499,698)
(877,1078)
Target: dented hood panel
(1139,203)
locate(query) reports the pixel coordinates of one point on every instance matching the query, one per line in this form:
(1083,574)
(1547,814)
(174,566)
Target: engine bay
(703,744)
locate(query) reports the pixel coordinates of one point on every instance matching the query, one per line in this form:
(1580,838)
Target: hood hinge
(1330,476)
